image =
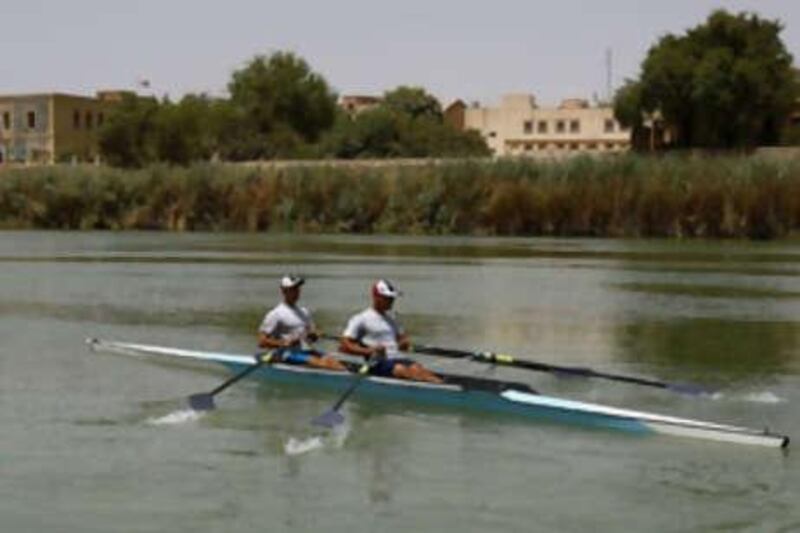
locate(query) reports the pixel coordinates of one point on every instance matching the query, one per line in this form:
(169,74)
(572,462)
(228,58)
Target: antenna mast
(609,74)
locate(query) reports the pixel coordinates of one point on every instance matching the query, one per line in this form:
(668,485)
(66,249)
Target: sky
(476,51)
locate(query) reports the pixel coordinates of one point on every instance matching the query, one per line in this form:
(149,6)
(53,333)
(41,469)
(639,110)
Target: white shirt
(372,328)
(287,322)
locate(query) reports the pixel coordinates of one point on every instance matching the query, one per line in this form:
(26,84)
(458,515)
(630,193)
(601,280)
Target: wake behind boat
(468,392)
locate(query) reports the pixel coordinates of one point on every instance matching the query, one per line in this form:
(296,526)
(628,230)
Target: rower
(287,326)
(375,335)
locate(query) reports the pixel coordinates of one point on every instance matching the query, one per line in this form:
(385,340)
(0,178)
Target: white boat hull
(467,392)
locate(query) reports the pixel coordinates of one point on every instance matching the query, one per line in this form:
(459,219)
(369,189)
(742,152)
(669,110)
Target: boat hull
(449,396)
(463,392)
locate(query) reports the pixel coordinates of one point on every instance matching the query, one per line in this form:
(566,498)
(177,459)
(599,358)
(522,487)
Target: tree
(186,131)
(412,101)
(278,107)
(128,137)
(407,123)
(278,103)
(143,130)
(628,105)
(372,133)
(430,138)
(727,83)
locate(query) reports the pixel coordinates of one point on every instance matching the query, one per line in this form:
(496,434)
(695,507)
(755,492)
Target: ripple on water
(181,416)
(753,397)
(335,439)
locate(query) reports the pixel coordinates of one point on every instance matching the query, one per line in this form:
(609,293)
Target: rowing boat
(469,392)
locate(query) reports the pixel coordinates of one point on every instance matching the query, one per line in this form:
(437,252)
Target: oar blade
(202,401)
(329,419)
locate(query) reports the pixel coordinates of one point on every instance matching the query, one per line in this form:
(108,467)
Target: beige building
(519,127)
(51,128)
(357,103)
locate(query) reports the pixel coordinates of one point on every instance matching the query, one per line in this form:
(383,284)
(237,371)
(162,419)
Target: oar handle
(362,373)
(204,401)
(444,352)
(493,358)
(332,417)
(261,359)
(508,360)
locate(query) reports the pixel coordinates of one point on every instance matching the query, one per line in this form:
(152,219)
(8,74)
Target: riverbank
(628,196)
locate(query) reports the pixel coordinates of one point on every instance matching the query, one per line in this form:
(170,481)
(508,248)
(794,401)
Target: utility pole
(609,74)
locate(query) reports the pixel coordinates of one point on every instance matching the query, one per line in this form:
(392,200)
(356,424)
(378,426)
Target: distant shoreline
(753,197)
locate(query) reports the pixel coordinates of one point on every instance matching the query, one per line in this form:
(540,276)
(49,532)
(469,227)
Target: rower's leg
(327,362)
(415,372)
(425,375)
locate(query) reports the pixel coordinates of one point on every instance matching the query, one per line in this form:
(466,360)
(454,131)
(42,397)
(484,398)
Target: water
(98,442)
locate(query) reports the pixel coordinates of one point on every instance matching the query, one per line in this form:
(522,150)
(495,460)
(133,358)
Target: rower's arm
(270,342)
(352,346)
(403,342)
(313,334)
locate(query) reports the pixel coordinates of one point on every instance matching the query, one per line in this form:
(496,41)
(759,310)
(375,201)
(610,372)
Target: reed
(628,196)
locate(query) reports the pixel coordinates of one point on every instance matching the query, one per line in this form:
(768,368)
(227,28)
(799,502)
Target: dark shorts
(385,367)
(296,356)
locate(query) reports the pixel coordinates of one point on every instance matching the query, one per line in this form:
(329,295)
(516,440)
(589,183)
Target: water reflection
(698,290)
(239,320)
(723,350)
(649,308)
(727,321)
(676,306)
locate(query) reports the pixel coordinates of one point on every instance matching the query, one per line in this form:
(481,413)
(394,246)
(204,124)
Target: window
(76,119)
(560,126)
(574,126)
(7,120)
(542,126)
(492,134)
(609,146)
(528,147)
(89,120)
(609,126)
(559,146)
(528,126)
(591,146)
(31,120)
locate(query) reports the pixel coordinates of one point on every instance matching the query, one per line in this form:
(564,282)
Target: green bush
(675,196)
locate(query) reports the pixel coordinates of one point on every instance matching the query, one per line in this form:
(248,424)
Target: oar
(332,417)
(204,401)
(508,360)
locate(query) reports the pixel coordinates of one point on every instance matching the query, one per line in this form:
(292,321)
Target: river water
(95,442)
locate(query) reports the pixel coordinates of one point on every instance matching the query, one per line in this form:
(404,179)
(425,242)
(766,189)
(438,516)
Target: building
(519,127)
(51,128)
(455,114)
(354,104)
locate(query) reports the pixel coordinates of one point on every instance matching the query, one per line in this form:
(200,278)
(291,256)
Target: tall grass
(674,196)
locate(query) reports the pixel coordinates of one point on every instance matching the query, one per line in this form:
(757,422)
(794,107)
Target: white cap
(290,281)
(383,287)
